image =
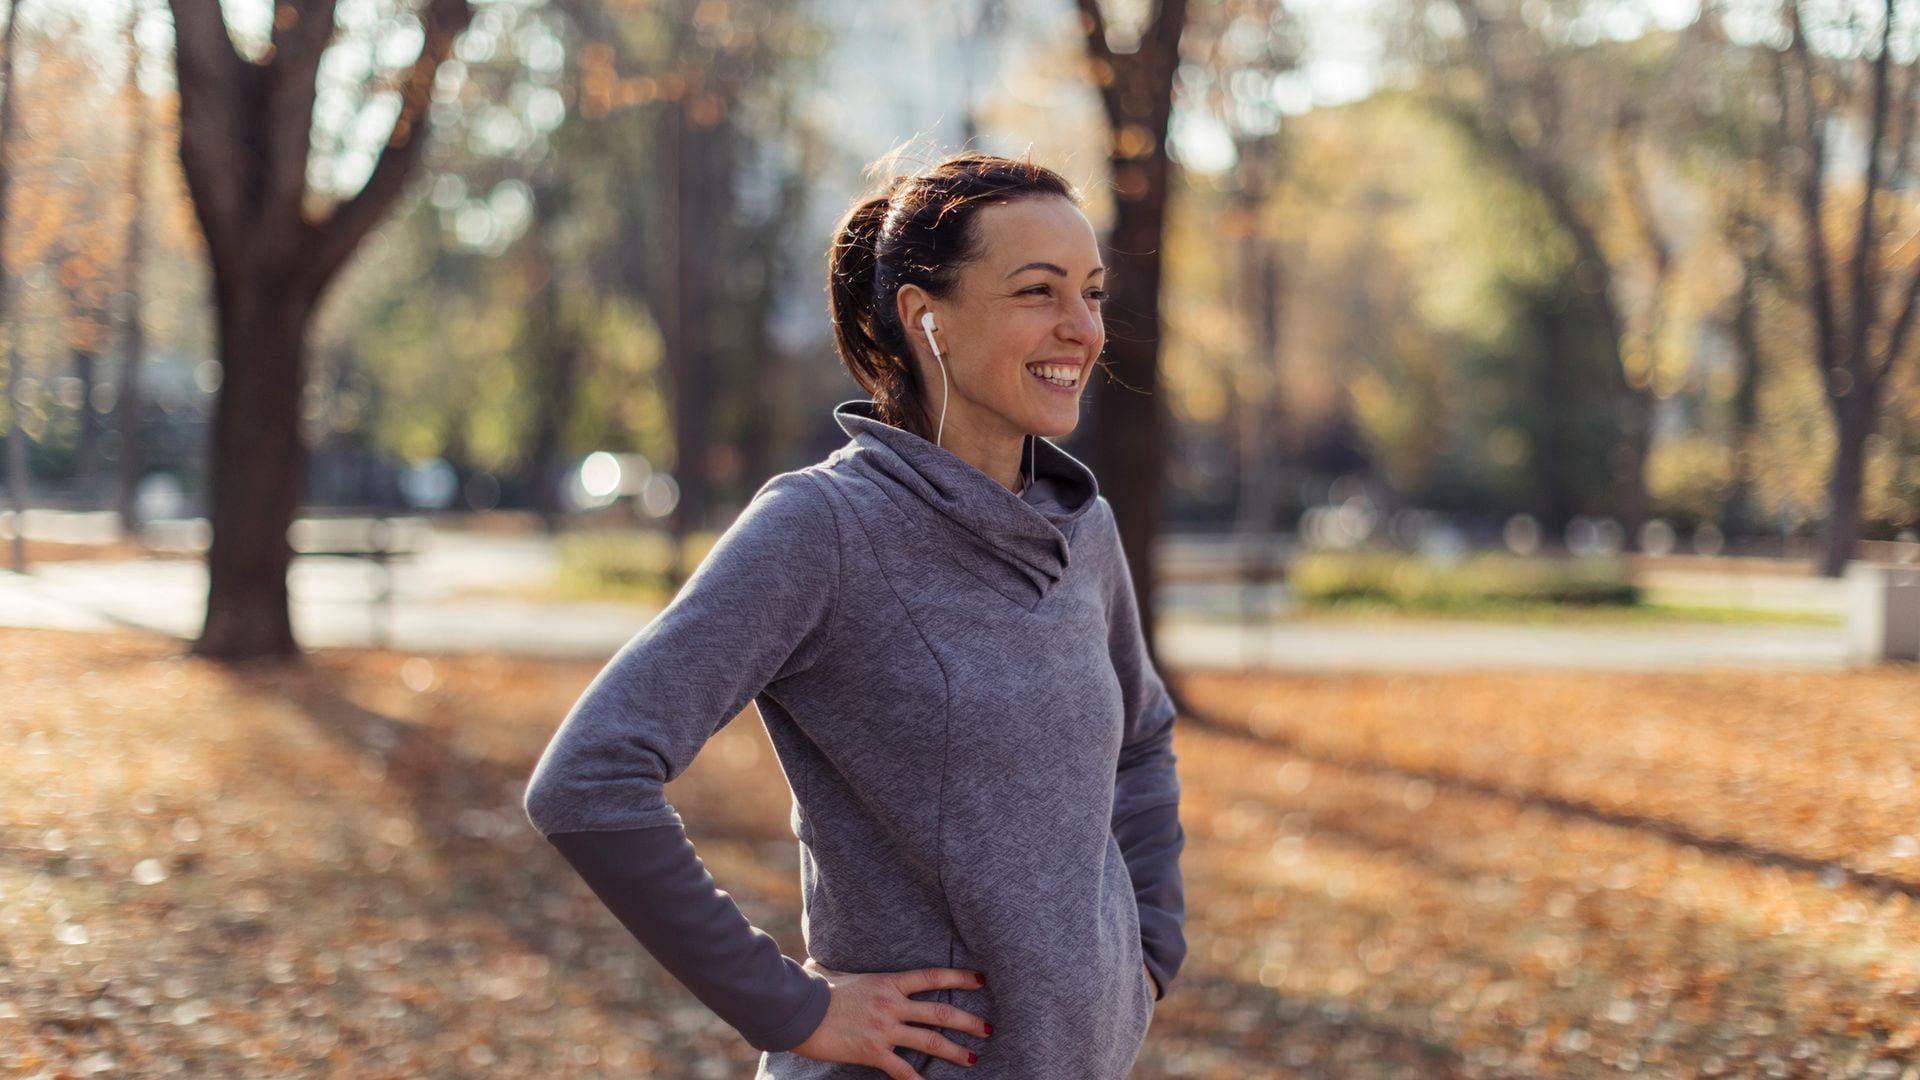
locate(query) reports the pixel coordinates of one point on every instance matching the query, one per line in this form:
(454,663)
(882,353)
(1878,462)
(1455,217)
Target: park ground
(323,869)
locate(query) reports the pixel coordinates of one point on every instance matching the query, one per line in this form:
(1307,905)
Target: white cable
(926,324)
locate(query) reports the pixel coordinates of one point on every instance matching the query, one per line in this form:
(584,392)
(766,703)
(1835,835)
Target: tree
(1555,116)
(16,437)
(1128,437)
(127,402)
(245,147)
(1863,311)
(614,235)
(1240,48)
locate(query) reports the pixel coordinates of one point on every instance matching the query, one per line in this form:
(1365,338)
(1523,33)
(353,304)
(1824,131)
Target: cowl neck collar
(1018,546)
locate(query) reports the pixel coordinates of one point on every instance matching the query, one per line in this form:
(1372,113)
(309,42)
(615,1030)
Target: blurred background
(1511,409)
(1530,280)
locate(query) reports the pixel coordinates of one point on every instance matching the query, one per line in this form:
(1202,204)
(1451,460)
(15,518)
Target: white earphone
(926,324)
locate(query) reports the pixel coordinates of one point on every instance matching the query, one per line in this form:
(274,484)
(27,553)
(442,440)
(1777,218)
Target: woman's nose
(1081,321)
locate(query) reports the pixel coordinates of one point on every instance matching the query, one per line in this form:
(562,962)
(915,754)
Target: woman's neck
(1002,455)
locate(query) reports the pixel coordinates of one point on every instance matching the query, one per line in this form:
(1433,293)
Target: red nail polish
(972,1058)
(980,977)
(989,1029)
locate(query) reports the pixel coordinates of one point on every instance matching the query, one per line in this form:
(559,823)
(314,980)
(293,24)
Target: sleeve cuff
(801,1025)
(1163,946)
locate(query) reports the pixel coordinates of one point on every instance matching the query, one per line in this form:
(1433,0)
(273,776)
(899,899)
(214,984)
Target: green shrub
(622,565)
(1411,582)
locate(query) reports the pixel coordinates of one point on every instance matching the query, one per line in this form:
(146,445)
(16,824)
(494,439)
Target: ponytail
(859,324)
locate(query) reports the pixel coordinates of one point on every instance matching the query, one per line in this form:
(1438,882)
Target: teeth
(1061,374)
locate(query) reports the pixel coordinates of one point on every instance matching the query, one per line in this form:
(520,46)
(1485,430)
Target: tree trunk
(1632,502)
(259,461)
(16,437)
(1129,444)
(1737,516)
(1257,479)
(244,150)
(1854,415)
(556,362)
(16,445)
(127,406)
(1128,436)
(685,355)
(127,403)
(87,456)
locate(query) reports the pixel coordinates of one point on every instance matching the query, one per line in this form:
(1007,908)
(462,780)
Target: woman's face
(1021,329)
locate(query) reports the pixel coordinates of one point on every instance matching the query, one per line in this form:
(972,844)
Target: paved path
(1323,644)
(434,610)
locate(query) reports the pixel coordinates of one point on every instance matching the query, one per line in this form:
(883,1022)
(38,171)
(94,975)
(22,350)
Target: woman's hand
(868,1015)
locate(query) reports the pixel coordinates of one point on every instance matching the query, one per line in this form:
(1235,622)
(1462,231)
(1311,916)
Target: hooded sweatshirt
(979,750)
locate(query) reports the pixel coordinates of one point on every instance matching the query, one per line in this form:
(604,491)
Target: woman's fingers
(934,1043)
(896,1066)
(871,1014)
(940,1014)
(937,978)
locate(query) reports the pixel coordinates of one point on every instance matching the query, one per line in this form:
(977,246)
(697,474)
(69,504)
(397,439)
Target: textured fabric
(656,885)
(979,754)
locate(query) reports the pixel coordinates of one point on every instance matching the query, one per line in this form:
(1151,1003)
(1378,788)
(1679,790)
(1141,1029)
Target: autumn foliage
(323,870)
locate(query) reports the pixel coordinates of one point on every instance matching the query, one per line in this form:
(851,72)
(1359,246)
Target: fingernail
(989,1029)
(980,977)
(972,1058)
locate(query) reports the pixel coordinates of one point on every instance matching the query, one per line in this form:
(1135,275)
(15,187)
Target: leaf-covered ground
(323,870)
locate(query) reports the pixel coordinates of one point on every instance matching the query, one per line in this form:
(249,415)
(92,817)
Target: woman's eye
(1096,295)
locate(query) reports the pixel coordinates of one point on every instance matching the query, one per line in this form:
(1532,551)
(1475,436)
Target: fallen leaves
(324,870)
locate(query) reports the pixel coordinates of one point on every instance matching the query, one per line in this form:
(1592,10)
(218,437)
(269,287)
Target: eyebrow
(1052,269)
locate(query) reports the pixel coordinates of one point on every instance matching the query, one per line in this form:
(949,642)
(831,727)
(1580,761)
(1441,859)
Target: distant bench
(377,537)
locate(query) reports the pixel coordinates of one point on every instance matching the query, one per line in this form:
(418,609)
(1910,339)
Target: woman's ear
(910,303)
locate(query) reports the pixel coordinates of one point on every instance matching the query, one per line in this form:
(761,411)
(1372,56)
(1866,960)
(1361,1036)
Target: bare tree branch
(211,75)
(1812,189)
(350,221)
(1902,327)
(1865,308)
(1633,185)
(302,30)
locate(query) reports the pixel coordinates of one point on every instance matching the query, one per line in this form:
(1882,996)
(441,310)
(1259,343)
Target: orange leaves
(322,868)
(1635,860)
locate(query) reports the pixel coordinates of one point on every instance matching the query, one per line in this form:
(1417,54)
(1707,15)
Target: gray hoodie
(980,755)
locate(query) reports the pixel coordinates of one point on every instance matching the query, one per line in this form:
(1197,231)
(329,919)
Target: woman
(938,629)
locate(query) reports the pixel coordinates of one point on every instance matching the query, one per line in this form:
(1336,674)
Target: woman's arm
(1146,797)
(657,887)
(758,608)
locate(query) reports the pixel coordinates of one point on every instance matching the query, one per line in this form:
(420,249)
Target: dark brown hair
(916,231)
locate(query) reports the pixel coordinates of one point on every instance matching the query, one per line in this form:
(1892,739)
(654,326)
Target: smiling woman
(938,629)
(999,253)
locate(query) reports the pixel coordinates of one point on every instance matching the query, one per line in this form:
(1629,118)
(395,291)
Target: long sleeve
(1146,804)
(657,887)
(759,608)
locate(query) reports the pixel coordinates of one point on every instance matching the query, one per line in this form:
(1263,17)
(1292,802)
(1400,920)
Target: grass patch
(1508,588)
(1571,614)
(625,566)
(1470,585)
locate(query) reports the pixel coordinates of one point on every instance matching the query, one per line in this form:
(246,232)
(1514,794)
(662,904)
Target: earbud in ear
(926,323)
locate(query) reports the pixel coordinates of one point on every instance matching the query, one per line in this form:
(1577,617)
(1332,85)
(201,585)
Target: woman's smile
(1061,376)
